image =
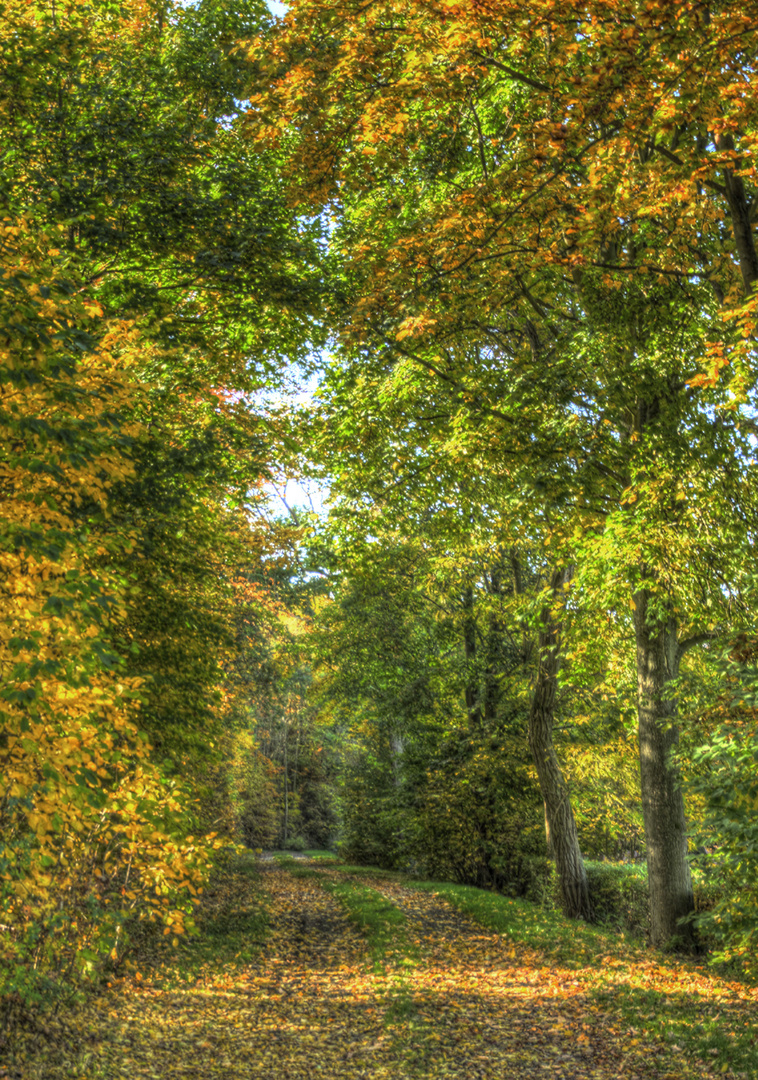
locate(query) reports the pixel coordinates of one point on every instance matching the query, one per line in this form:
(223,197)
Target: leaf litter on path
(477,1006)
(310,1003)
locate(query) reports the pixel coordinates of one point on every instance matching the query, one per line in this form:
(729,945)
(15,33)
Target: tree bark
(473,705)
(286,799)
(559,817)
(669,880)
(739,215)
(491,688)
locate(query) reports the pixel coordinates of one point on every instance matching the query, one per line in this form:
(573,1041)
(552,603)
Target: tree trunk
(669,881)
(299,710)
(286,793)
(559,817)
(491,689)
(472,677)
(740,217)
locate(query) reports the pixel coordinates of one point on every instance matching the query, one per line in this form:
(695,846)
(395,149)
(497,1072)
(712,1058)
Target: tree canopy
(486,274)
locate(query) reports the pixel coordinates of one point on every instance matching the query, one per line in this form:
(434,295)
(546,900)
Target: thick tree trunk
(669,881)
(559,817)
(740,217)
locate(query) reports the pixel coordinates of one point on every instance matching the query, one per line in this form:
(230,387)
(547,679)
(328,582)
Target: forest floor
(312,969)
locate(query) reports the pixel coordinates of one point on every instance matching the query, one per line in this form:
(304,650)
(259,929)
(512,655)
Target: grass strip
(295,867)
(383,924)
(232,923)
(391,951)
(369,872)
(573,944)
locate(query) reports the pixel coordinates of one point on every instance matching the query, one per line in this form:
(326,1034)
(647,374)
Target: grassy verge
(564,941)
(686,1015)
(679,1003)
(370,872)
(383,924)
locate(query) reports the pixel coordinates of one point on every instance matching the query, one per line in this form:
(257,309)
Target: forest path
(285,983)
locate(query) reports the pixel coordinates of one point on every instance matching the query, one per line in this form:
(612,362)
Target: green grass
(294,866)
(383,924)
(568,942)
(699,1024)
(369,872)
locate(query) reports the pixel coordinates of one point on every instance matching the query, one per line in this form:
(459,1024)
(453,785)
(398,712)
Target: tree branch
(691,642)
(517,75)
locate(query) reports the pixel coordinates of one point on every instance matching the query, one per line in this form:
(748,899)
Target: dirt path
(309,1004)
(475,1008)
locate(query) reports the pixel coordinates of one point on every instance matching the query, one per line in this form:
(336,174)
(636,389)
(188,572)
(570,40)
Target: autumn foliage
(90,830)
(527,236)
(544,291)
(128,451)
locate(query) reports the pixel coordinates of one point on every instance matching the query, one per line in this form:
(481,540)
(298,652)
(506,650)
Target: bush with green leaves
(728,784)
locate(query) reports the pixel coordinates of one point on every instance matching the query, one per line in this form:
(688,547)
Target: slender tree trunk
(297,746)
(559,817)
(669,881)
(286,791)
(396,756)
(491,689)
(472,679)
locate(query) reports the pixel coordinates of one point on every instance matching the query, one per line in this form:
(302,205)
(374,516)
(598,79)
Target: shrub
(729,786)
(295,843)
(620,894)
